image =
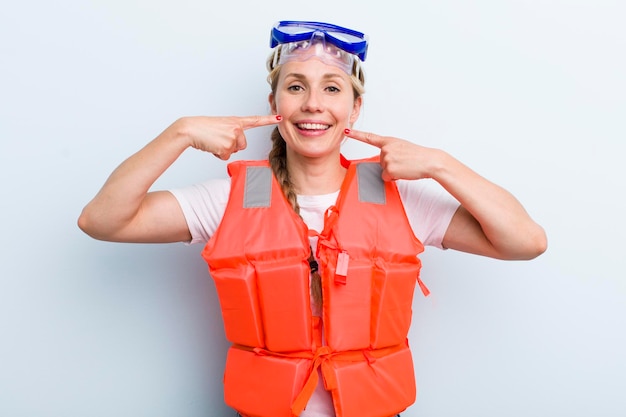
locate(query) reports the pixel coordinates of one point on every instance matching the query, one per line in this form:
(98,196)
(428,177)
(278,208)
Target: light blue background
(530,94)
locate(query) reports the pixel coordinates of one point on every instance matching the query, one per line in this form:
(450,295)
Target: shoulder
(203,205)
(204,200)
(418,189)
(429,208)
(212,189)
(425,194)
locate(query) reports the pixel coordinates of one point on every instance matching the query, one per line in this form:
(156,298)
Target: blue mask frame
(351,41)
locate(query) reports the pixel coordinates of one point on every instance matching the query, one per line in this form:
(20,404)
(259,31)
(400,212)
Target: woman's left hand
(490,221)
(399,158)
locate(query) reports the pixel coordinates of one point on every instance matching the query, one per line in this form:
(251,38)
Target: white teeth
(313,126)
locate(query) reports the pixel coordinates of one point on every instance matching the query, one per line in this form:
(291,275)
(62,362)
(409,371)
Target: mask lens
(317,47)
(344,37)
(295,30)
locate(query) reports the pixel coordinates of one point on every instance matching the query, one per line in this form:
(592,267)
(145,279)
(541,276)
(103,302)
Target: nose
(313,102)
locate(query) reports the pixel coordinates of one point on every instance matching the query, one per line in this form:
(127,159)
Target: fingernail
(279,117)
(346,131)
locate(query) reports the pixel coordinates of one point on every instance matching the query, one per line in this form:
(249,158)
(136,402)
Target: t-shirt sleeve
(203,206)
(429,208)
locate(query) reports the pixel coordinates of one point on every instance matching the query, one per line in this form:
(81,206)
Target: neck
(315,176)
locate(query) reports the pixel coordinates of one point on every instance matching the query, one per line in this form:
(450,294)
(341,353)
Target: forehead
(313,69)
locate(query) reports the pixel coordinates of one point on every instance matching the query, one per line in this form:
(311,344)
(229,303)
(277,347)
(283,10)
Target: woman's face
(316,101)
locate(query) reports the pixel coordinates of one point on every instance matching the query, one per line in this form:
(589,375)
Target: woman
(315,280)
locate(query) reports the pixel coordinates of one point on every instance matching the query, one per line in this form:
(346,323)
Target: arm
(490,220)
(125,211)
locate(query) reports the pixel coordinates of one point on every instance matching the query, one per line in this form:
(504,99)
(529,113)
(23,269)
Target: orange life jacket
(368,261)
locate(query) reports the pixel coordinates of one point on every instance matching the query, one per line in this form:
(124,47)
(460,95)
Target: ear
(356,109)
(272,100)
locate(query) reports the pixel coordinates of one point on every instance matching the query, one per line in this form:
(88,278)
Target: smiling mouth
(312,126)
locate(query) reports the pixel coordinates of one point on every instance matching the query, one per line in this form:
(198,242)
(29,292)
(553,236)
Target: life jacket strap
(322,359)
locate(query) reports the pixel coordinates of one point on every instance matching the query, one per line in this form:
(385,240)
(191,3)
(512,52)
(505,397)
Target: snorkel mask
(333,45)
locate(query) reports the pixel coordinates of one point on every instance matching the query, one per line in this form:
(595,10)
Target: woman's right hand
(125,211)
(221,136)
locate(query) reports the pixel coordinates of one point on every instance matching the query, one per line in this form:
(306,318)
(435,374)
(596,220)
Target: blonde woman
(315,258)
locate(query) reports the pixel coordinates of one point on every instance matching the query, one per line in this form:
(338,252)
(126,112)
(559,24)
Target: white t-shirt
(428,206)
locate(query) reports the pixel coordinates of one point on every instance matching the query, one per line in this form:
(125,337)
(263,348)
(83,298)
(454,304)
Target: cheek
(348,112)
(284,105)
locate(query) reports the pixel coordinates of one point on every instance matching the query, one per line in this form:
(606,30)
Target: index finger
(366,137)
(249,122)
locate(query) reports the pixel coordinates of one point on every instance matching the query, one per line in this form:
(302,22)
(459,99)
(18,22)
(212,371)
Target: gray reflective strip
(258,189)
(370,181)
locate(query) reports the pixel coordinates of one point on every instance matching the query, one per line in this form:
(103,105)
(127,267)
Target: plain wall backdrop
(531,94)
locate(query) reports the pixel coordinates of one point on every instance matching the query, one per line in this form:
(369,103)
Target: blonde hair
(278,155)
